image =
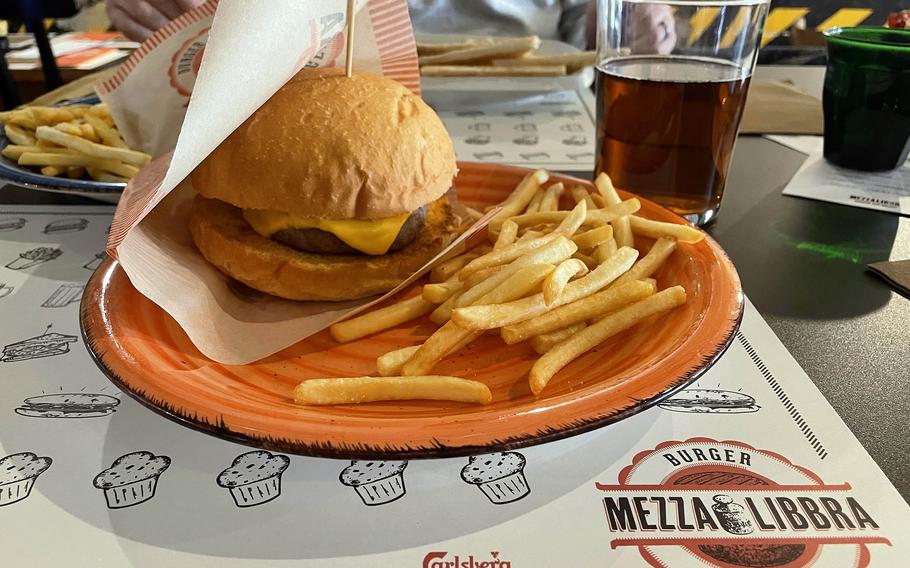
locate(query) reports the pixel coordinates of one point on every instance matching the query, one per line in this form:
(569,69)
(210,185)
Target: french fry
(491,70)
(445,270)
(657,229)
(75,172)
(591,239)
(49,116)
(569,349)
(477,277)
(504,255)
(588,261)
(18,135)
(356,390)
(586,308)
(660,251)
(550,200)
(482,317)
(77,160)
(443,312)
(581,194)
(444,339)
(378,320)
(557,280)
(573,221)
(534,205)
(390,364)
(439,292)
(529,235)
(108,135)
(507,235)
(520,197)
(511,47)
(53,171)
(553,252)
(437,48)
(101,175)
(545,341)
(473,214)
(573,61)
(604,215)
(13,151)
(90,148)
(19,117)
(605,250)
(621,231)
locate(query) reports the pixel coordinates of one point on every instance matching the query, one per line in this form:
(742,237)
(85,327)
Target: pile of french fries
(497,57)
(76,141)
(563,280)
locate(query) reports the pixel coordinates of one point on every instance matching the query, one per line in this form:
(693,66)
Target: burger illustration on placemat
(254,478)
(376,482)
(710,401)
(499,475)
(33,257)
(18,473)
(131,479)
(68,405)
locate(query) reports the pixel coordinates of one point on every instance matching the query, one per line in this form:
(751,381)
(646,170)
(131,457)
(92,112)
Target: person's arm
(138,19)
(573,22)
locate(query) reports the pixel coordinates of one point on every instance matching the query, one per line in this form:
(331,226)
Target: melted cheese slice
(369,237)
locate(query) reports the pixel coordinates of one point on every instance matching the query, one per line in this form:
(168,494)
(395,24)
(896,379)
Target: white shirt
(551,19)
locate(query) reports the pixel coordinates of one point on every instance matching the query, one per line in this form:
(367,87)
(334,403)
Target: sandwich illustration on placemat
(33,257)
(45,345)
(18,473)
(65,226)
(710,401)
(499,475)
(68,405)
(376,482)
(131,479)
(254,478)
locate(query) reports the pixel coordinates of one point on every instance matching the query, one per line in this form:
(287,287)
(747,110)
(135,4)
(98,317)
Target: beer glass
(672,78)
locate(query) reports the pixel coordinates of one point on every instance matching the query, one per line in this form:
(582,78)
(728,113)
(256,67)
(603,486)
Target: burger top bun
(333,147)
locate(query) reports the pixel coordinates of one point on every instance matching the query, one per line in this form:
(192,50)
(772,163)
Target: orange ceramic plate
(147,355)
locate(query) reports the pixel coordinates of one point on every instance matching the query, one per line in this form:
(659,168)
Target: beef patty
(322,242)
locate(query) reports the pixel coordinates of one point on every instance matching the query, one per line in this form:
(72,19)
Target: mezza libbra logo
(724,504)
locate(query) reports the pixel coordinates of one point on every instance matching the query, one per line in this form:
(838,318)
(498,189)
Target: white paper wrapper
(178,97)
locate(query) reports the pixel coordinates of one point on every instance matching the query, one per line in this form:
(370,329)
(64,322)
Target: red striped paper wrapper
(178,97)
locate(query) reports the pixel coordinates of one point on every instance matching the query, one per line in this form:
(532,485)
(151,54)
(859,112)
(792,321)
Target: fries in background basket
(555,278)
(498,57)
(76,141)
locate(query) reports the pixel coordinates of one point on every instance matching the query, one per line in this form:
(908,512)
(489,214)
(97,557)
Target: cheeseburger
(335,189)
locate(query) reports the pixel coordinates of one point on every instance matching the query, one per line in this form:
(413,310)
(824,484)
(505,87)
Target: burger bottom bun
(226,240)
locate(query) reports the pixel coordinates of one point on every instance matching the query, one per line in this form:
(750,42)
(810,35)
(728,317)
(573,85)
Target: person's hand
(138,19)
(655,29)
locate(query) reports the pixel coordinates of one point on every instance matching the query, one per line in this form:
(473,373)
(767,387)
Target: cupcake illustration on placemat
(499,475)
(18,473)
(131,479)
(254,477)
(376,482)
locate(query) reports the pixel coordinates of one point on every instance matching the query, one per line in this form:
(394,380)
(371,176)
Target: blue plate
(13,173)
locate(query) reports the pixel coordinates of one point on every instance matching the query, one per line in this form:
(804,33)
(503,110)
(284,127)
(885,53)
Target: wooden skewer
(349,55)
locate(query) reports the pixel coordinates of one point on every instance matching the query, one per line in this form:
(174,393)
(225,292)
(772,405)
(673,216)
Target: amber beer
(667,126)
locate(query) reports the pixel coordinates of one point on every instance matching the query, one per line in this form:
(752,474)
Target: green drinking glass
(867,98)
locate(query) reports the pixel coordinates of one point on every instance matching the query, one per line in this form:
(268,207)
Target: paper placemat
(748,466)
(818,179)
(554,130)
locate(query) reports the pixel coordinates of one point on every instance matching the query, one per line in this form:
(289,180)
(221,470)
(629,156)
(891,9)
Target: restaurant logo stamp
(448,560)
(186,61)
(703,502)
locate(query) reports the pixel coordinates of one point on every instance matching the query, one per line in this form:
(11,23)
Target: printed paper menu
(747,467)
